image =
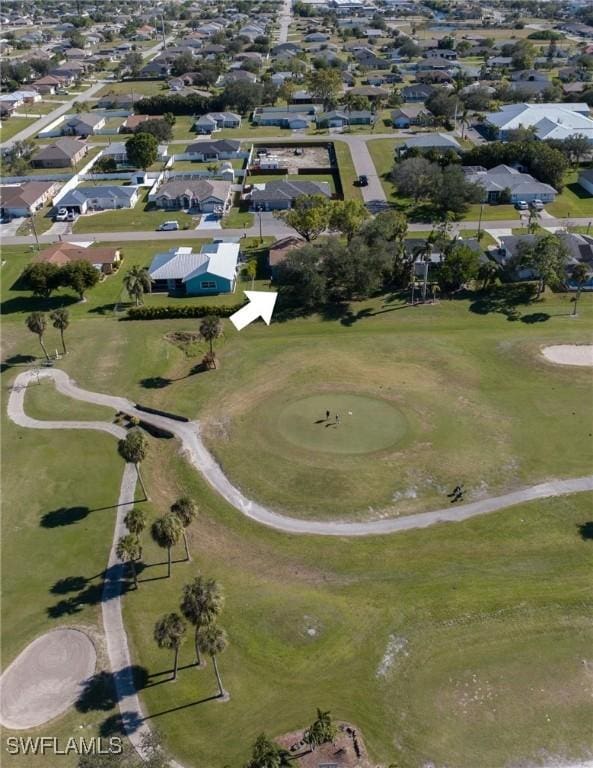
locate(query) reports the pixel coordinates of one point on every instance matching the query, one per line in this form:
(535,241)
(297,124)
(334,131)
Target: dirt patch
(45,679)
(346,751)
(570,354)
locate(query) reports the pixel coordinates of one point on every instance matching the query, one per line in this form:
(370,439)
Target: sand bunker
(570,354)
(45,679)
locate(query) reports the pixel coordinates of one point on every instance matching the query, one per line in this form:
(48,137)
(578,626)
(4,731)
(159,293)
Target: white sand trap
(45,679)
(570,354)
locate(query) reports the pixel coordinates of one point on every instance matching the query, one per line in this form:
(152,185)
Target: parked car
(168,226)
(363,181)
(537,205)
(71,216)
(521,205)
(61,215)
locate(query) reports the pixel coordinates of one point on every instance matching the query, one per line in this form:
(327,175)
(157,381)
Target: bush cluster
(171,312)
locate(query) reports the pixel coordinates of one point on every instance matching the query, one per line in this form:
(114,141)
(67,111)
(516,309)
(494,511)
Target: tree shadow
(106,309)
(69,584)
(104,690)
(182,706)
(586,530)
(27,304)
(63,516)
(504,300)
(155,382)
(121,723)
(114,581)
(535,317)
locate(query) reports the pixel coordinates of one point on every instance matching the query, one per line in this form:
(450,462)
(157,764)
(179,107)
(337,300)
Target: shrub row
(183,310)
(158,412)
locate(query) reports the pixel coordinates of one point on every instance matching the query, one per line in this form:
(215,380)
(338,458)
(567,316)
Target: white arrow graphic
(261,304)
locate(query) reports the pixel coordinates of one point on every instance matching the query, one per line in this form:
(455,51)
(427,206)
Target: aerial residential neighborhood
(297,404)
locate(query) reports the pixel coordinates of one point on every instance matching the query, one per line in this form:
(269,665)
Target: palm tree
(210,329)
(61,320)
(186,511)
(212,640)
(201,602)
(169,632)
(128,550)
(251,270)
(135,522)
(488,272)
(580,275)
(37,323)
(533,221)
(133,449)
(265,753)
(166,531)
(137,283)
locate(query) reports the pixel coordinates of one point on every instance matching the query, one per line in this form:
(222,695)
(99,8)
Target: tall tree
(167,532)
(580,275)
(309,216)
(186,511)
(547,257)
(61,320)
(80,276)
(300,278)
(347,217)
(137,283)
(37,324)
(142,150)
(251,270)
(135,522)
(211,329)
(134,449)
(128,550)
(461,265)
(325,84)
(201,602)
(169,632)
(321,731)
(416,177)
(42,278)
(212,641)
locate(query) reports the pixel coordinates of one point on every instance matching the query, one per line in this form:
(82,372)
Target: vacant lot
(573,201)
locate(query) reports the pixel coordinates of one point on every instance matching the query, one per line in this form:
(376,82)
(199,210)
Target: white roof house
(215,260)
(550,121)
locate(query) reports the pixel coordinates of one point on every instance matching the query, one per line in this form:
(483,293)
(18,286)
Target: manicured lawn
(250,131)
(136,87)
(460,645)
(142,217)
(236,218)
(14,125)
(573,201)
(492,213)
(347,173)
(42,221)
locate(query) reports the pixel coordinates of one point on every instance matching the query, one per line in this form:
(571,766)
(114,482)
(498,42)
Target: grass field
(14,125)
(347,173)
(460,645)
(139,88)
(144,216)
(573,201)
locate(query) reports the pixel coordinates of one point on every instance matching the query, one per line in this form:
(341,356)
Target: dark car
(363,181)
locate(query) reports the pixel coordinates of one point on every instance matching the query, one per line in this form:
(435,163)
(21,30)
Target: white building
(549,121)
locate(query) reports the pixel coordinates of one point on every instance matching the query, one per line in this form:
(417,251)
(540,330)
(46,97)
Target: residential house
(341,118)
(63,153)
(286,50)
(417,92)
(48,84)
(365,57)
(411,115)
(549,121)
(281,194)
(506,184)
(118,101)
(181,272)
(84,124)
(252,31)
(440,53)
(158,67)
(204,195)
(316,37)
(579,249)
(216,121)
(370,92)
(237,76)
(206,151)
(17,200)
(131,123)
(105,259)
(18,98)
(586,181)
(430,141)
(99,198)
(283,119)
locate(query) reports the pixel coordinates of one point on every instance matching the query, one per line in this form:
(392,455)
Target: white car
(521,205)
(168,226)
(61,215)
(537,205)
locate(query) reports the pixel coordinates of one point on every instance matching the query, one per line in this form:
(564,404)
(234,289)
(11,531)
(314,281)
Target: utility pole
(480,222)
(34,230)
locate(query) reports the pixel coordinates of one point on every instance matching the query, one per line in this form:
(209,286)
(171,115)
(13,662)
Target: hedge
(171,312)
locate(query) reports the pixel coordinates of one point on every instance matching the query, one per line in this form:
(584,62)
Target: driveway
(9,229)
(209,221)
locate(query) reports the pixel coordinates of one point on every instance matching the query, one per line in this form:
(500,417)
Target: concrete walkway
(133,719)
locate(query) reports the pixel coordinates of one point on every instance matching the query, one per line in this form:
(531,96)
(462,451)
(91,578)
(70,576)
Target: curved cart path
(133,719)
(197,453)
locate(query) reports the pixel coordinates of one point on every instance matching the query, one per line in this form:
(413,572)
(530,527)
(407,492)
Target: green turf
(460,645)
(573,201)
(347,173)
(355,425)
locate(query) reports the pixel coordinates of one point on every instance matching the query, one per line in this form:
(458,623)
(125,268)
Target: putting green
(365,424)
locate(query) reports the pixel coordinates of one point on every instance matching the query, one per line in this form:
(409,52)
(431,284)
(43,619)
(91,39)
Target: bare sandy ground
(45,679)
(570,354)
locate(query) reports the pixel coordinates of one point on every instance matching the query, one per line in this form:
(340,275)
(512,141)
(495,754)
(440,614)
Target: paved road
(64,107)
(284,21)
